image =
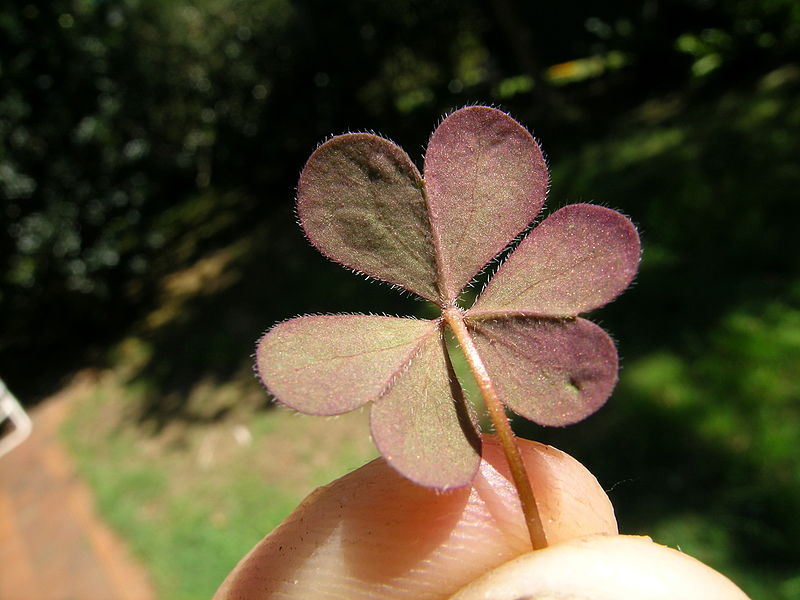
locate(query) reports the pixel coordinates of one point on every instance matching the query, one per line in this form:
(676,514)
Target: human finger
(373,534)
(603,568)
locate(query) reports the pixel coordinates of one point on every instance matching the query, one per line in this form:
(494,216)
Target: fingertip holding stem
(373,534)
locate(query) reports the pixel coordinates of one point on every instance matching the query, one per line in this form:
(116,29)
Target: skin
(372,534)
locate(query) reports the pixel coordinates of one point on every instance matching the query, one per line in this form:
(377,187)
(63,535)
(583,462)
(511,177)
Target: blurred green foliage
(134,134)
(699,441)
(139,138)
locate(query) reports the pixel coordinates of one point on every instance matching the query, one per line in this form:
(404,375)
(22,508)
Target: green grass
(192,501)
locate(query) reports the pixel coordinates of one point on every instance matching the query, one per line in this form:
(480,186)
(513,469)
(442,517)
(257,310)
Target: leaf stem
(454,318)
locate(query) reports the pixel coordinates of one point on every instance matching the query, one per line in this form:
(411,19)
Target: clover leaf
(363,203)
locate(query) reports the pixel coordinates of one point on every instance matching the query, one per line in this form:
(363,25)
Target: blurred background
(148,156)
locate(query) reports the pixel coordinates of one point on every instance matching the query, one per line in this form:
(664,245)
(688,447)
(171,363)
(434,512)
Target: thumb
(373,534)
(603,567)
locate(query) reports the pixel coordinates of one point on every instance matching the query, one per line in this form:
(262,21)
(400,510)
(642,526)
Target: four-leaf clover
(363,203)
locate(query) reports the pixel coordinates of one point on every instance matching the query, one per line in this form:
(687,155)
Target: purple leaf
(553,372)
(360,202)
(422,425)
(332,364)
(578,259)
(486,180)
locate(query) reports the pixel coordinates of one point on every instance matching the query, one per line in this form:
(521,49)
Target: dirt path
(53,546)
